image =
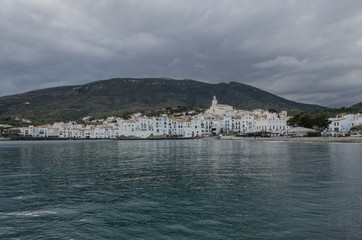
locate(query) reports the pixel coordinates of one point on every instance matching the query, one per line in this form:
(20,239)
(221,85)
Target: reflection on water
(180,189)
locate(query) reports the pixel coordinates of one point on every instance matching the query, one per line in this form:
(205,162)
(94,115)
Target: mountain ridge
(357,105)
(126,94)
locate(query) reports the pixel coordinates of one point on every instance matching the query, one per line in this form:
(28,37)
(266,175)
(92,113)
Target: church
(219,109)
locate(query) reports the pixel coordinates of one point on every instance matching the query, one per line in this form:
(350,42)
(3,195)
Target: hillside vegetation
(116,96)
(358,106)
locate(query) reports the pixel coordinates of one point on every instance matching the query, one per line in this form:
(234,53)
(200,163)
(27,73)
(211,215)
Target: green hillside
(114,96)
(358,105)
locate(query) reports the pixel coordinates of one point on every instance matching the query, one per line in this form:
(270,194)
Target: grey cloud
(282,61)
(306,51)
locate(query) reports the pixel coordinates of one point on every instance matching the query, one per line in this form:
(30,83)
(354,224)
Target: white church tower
(214,101)
(218,109)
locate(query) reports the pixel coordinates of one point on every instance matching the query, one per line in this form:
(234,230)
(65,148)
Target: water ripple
(180,190)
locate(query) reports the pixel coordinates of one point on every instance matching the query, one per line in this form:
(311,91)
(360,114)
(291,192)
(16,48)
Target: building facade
(218,119)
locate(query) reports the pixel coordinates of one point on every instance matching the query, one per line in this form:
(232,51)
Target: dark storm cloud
(308,51)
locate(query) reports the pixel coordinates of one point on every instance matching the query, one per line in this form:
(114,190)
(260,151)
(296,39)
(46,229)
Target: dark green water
(192,189)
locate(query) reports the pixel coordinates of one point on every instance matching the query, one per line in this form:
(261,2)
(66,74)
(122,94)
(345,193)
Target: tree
(356,128)
(272,110)
(320,120)
(316,120)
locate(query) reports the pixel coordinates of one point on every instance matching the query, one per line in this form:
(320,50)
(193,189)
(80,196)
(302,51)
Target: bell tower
(214,101)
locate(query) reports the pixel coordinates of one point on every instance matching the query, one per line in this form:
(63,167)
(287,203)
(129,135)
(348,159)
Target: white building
(342,123)
(218,119)
(219,109)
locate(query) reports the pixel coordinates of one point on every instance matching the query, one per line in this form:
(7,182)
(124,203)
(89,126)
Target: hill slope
(107,96)
(358,105)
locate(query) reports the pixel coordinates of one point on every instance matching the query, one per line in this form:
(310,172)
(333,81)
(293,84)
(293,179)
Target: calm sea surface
(189,189)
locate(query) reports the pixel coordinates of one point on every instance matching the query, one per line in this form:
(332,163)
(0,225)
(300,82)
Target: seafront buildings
(218,119)
(342,123)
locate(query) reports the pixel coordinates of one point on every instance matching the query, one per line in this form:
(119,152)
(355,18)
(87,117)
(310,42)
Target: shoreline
(22,138)
(283,139)
(300,139)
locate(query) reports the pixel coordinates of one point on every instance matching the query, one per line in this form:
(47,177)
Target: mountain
(121,94)
(358,105)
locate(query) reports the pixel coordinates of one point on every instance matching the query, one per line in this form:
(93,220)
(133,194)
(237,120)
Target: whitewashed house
(342,123)
(220,118)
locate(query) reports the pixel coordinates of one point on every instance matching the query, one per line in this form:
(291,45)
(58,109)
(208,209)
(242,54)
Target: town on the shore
(218,120)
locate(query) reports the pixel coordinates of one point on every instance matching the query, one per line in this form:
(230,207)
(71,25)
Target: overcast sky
(306,51)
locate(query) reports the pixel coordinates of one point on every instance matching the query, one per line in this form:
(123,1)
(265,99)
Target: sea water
(180,189)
